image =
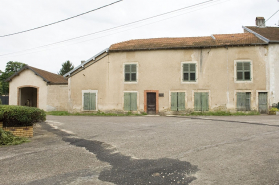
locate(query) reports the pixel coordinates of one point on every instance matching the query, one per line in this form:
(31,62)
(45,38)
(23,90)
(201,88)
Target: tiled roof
(45,75)
(271,33)
(188,42)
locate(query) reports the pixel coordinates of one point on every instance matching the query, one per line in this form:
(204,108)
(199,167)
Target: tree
(66,67)
(11,68)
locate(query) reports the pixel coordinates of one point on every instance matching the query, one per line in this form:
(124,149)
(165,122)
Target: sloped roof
(188,42)
(49,77)
(270,33)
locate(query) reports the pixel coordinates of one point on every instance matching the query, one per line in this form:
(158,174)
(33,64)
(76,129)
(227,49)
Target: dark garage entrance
(28,96)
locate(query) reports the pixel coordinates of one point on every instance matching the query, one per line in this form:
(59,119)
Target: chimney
(260,22)
(82,61)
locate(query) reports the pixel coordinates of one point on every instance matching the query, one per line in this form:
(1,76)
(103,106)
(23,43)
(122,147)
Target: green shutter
(204,101)
(247,101)
(241,101)
(174,101)
(92,101)
(133,101)
(86,101)
(197,101)
(181,101)
(127,102)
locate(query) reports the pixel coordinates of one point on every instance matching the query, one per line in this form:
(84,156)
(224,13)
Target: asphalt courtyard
(146,150)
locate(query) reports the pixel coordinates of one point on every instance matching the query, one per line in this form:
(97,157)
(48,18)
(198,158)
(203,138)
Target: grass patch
(98,113)
(7,138)
(223,113)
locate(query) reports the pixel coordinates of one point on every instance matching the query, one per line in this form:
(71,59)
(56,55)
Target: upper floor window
(130,72)
(189,72)
(243,71)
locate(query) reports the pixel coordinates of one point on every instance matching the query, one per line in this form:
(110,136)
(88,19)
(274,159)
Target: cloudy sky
(42,48)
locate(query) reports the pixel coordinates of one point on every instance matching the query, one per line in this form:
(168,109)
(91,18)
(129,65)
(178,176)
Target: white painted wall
(273,59)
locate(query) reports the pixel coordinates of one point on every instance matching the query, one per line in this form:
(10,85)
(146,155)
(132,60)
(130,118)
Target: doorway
(151,103)
(28,96)
(263,103)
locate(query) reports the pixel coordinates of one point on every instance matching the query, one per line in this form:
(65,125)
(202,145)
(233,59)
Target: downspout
(228,79)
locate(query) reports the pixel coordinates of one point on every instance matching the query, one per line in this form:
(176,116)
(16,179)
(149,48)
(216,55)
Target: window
(201,101)
(243,71)
(89,100)
(130,101)
(243,101)
(177,101)
(189,72)
(130,72)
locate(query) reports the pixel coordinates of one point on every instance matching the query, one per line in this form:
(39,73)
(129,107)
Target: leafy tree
(66,67)
(11,68)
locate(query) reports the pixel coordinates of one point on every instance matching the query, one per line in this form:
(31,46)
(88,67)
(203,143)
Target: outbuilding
(35,87)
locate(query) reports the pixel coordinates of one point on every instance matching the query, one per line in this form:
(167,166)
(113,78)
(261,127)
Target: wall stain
(126,170)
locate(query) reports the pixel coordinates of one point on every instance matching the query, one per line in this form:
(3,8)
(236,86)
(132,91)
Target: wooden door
(263,102)
(151,103)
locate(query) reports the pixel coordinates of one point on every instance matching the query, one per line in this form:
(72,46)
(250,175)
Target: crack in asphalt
(126,170)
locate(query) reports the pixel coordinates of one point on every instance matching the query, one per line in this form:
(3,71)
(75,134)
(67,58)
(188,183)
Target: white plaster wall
(57,98)
(28,78)
(161,70)
(273,58)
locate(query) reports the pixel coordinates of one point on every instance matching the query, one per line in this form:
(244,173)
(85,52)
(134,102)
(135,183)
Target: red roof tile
(271,33)
(47,76)
(187,42)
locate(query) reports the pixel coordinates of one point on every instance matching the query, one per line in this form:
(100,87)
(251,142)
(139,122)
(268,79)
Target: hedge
(18,116)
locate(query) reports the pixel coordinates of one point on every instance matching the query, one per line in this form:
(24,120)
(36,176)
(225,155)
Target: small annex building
(34,87)
(232,72)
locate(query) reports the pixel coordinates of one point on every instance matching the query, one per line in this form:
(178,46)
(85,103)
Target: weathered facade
(38,88)
(171,75)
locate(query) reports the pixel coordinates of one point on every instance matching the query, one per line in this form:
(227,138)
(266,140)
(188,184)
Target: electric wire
(113,28)
(119,31)
(272,15)
(61,20)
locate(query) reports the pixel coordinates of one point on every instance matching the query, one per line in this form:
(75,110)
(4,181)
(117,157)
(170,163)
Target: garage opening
(28,96)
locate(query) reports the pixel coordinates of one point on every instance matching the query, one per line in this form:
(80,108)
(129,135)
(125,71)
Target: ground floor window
(130,101)
(201,101)
(177,101)
(243,101)
(89,100)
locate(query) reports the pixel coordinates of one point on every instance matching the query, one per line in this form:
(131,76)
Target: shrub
(18,116)
(273,109)
(7,138)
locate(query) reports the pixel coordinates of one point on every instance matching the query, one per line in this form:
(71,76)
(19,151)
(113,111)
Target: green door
(243,101)
(263,102)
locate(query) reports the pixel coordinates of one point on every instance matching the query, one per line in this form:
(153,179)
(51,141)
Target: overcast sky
(216,17)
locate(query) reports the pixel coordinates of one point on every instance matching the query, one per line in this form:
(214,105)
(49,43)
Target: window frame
(196,72)
(235,71)
(130,63)
(90,91)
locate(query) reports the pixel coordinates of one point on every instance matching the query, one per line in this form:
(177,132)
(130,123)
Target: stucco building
(234,72)
(34,87)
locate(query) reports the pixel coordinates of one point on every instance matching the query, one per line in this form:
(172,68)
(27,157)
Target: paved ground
(147,150)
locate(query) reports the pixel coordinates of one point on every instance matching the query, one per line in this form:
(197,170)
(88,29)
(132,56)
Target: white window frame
(90,91)
(197,72)
(251,72)
(123,75)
